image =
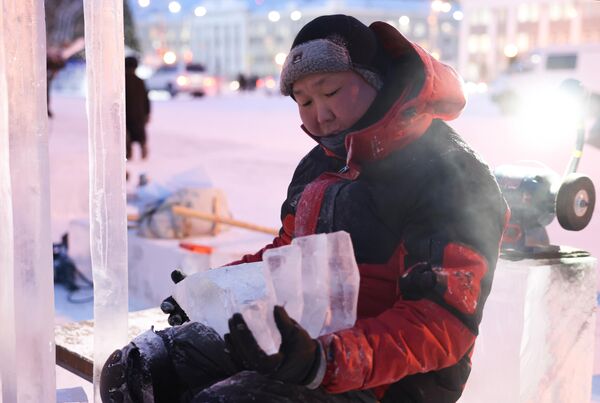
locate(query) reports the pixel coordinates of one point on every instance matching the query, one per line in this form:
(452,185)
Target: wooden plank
(75,340)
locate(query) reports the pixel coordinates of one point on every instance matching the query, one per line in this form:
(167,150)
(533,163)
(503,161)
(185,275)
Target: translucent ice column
(315,282)
(26,284)
(284,267)
(344,281)
(105,57)
(7,335)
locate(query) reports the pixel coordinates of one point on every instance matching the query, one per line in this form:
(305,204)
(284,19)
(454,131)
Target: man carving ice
(425,217)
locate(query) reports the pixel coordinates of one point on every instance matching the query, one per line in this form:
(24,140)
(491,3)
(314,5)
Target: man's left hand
(298,361)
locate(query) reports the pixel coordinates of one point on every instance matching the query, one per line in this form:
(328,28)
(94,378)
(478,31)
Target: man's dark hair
(131,62)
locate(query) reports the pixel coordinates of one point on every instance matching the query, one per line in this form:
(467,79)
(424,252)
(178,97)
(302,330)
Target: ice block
(212,297)
(536,338)
(315,282)
(284,266)
(27,363)
(315,278)
(344,281)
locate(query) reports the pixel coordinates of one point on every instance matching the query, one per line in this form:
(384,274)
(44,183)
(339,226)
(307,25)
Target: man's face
(331,102)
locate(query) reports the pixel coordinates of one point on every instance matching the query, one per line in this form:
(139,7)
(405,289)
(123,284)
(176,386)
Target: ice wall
(26,280)
(536,339)
(104,43)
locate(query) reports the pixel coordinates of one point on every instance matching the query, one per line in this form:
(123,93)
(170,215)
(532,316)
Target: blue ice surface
(596,389)
(596,378)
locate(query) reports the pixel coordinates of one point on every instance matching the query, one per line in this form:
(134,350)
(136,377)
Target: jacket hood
(417,89)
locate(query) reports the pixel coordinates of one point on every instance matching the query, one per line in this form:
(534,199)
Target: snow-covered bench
(75,340)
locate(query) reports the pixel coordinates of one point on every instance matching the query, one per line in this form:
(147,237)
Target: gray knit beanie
(334,43)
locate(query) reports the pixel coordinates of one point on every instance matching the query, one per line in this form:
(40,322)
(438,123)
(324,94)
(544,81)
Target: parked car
(268,84)
(542,70)
(179,78)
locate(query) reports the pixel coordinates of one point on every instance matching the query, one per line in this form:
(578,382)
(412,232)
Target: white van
(544,70)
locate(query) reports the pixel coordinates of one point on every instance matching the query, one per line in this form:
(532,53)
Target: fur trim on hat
(321,56)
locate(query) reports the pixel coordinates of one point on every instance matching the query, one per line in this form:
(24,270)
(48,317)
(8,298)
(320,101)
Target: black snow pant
(247,386)
(191,364)
(136,133)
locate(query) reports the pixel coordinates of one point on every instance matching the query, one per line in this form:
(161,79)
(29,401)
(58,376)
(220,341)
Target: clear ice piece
(205,301)
(284,265)
(212,297)
(315,278)
(344,281)
(259,318)
(315,282)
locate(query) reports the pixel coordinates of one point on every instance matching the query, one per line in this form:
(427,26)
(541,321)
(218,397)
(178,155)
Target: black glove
(169,306)
(298,360)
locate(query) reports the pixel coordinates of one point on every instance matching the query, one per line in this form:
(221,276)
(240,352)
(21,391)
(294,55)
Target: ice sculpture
(26,284)
(315,278)
(536,339)
(104,43)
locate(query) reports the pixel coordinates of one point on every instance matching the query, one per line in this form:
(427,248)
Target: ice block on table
(536,339)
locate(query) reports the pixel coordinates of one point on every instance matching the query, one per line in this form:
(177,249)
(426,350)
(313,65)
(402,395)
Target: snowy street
(249,144)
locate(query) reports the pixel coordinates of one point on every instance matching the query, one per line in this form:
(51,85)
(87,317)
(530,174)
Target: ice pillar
(26,279)
(7,339)
(104,43)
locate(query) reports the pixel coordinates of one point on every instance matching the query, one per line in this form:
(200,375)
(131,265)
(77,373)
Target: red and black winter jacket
(425,216)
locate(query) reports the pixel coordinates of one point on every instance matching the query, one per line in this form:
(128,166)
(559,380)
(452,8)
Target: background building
(253,37)
(495,32)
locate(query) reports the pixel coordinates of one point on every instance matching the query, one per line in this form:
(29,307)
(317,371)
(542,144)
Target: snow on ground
(249,145)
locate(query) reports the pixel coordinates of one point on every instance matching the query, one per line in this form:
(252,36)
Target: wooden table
(75,340)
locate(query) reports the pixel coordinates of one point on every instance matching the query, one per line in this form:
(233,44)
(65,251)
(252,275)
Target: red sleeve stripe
(462,269)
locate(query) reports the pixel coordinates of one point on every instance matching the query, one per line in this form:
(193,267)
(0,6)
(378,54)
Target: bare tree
(64,22)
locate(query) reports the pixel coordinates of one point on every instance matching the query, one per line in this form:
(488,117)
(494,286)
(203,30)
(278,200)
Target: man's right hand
(169,306)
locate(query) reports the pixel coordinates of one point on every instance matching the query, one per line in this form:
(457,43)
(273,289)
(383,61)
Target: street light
(143,3)
(511,50)
(436,5)
(174,7)
(280,58)
(200,11)
(274,16)
(295,15)
(169,57)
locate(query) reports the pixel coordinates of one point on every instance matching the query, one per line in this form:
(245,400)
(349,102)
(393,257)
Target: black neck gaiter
(335,143)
